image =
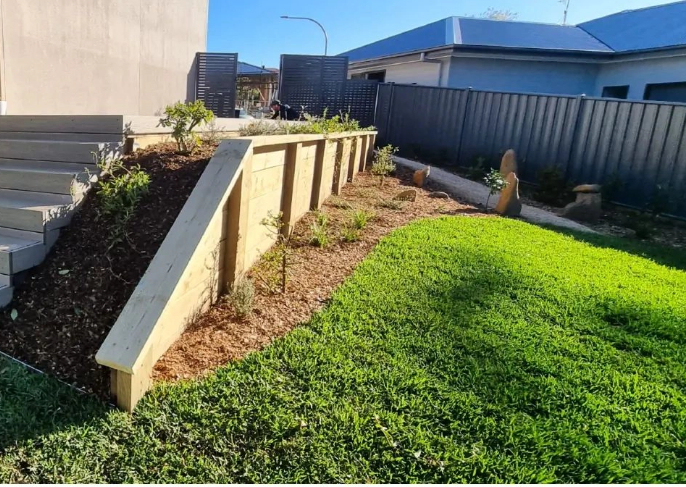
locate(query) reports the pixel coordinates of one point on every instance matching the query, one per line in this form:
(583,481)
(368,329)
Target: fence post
(318,179)
(385,138)
(342,162)
(575,132)
(290,187)
(237,220)
(464,123)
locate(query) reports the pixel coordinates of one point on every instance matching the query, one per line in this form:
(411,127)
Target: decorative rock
(420,176)
(407,195)
(508,164)
(588,188)
(509,203)
(439,194)
(586,208)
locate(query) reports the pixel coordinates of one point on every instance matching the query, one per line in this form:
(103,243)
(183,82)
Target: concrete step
(64,137)
(5,291)
(58,151)
(18,254)
(26,176)
(35,212)
(73,167)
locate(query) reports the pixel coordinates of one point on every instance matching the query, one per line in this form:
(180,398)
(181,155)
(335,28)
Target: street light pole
(326,37)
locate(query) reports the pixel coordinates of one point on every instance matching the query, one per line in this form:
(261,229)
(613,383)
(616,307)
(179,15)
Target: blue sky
(254,30)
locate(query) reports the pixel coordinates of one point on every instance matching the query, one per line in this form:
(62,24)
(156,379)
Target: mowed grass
(461,350)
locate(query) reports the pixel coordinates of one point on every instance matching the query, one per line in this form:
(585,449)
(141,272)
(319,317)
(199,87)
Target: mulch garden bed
(66,306)
(220,336)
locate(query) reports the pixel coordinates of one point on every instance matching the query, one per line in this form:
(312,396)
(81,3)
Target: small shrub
(360,219)
(211,135)
(383,162)
(641,224)
(119,195)
(660,201)
(495,182)
(319,229)
(281,249)
(183,118)
(552,188)
(263,127)
(477,171)
(391,204)
(611,187)
(350,234)
(340,203)
(241,297)
(310,125)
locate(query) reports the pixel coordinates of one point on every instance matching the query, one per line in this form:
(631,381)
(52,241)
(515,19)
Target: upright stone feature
(420,176)
(588,204)
(508,164)
(509,203)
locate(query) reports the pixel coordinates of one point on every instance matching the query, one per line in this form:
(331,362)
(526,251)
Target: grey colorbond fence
(593,140)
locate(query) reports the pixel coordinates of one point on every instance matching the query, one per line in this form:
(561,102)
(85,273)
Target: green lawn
(462,349)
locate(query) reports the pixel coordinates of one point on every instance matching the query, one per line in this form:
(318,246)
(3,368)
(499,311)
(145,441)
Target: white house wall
(99,56)
(638,73)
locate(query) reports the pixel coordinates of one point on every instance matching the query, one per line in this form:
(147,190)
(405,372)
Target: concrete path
(476,194)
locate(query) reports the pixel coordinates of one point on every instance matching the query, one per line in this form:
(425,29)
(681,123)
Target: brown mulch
(64,318)
(219,336)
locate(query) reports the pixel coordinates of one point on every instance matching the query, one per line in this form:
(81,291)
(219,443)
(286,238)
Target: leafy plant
(350,234)
(391,204)
(183,118)
(383,164)
(211,135)
(241,297)
(281,250)
(310,125)
(660,201)
(119,194)
(477,171)
(340,203)
(360,219)
(495,182)
(612,184)
(552,188)
(319,229)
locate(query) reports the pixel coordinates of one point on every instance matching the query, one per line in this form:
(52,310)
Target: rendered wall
(98,57)
(524,76)
(638,73)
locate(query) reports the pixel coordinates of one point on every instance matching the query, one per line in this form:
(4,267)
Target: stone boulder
(588,204)
(407,195)
(419,177)
(508,164)
(509,203)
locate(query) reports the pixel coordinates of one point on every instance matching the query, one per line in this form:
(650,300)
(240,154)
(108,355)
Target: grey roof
(647,28)
(246,69)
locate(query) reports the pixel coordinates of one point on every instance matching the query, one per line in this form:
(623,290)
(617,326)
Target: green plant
(310,125)
(319,230)
(360,219)
(350,234)
(611,186)
(660,201)
(495,182)
(183,118)
(241,297)
(391,204)
(119,193)
(340,203)
(211,135)
(477,171)
(383,164)
(280,252)
(552,188)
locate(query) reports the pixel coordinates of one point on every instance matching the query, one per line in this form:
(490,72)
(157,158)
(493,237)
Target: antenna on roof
(564,15)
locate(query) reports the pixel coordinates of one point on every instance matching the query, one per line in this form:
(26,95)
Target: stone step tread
(29,200)
(21,167)
(49,166)
(12,244)
(21,234)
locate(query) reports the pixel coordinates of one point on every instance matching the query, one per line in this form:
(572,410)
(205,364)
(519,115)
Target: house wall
(99,56)
(418,72)
(528,76)
(637,72)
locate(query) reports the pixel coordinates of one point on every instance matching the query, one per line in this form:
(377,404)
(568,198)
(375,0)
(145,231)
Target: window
(379,76)
(357,76)
(620,92)
(666,92)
